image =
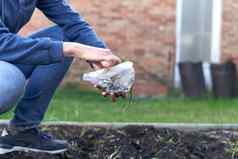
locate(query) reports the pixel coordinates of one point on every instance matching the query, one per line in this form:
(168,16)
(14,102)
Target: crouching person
(43,60)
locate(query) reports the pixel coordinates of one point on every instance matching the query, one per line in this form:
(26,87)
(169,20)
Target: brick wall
(230,28)
(141,31)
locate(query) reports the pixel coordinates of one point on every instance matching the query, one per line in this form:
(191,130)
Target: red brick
(229,29)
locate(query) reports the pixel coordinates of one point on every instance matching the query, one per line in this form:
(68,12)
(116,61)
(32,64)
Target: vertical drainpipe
(179,12)
(216,31)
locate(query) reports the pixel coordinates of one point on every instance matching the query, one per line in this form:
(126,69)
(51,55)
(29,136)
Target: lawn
(72,104)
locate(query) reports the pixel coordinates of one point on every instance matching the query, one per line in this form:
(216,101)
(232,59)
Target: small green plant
(233,151)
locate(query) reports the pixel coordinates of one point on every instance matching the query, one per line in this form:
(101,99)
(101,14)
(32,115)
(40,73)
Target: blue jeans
(42,83)
(12,85)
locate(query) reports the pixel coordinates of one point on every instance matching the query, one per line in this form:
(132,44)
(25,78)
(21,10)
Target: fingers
(98,65)
(109,63)
(102,64)
(91,53)
(110,60)
(106,62)
(100,57)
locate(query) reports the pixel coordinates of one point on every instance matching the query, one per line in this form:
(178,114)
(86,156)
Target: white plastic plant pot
(119,78)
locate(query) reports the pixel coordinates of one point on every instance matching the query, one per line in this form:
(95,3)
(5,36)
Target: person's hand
(98,58)
(114,96)
(96,65)
(103,58)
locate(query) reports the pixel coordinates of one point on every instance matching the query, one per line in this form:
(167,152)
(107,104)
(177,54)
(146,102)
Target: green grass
(73,104)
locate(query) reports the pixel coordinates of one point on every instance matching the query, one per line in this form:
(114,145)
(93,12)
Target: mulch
(139,142)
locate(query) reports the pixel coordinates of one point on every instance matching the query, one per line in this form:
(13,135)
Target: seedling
(233,151)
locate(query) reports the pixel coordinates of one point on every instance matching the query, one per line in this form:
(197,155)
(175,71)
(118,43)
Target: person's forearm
(68,49)
(85,52)
(78,50)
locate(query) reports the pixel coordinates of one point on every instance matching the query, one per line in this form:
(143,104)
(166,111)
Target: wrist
(69,49)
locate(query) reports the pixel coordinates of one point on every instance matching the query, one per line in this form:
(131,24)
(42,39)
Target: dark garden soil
(135,142)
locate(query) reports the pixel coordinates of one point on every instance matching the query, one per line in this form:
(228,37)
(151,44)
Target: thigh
(9,74)
(51,71)
(44,77)
(53,32)
(12,84)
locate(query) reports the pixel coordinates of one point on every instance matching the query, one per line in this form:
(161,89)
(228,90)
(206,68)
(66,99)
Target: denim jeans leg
(12,84)
(42,83)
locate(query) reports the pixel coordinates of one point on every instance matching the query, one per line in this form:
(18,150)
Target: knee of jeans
(12,84)
(32,93)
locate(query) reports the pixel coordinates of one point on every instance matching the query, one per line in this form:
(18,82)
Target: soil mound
(139,142)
